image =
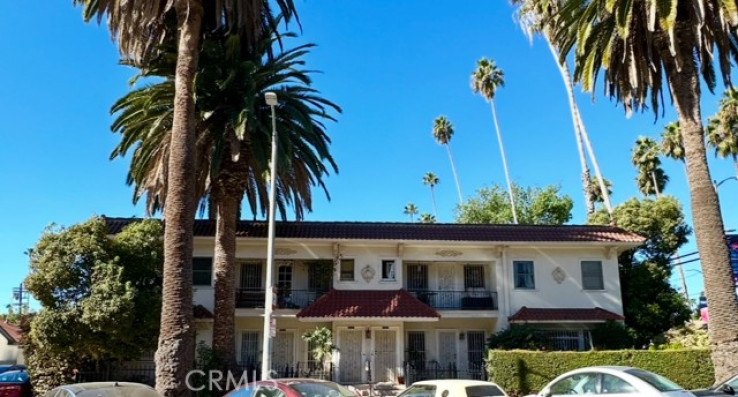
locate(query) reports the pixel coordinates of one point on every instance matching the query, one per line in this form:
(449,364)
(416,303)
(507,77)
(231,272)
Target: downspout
(508,305)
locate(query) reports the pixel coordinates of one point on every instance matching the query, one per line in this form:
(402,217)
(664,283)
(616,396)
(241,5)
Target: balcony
(247,298)
(457,300)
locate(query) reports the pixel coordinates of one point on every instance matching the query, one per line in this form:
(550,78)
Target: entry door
(446,348)
(385,355)
(283,351)
(350,364)
(446,286)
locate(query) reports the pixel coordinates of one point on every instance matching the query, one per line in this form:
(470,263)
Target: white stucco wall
(10,354)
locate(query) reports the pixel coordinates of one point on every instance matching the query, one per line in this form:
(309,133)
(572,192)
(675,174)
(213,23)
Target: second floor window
(592,275)
(388,270)
(473,276)
(347,270)
(202,271)
(417,277)
(251,276)
(524,275)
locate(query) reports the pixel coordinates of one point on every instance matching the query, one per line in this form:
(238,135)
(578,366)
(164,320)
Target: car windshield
(733,382)
(18,377)
(483,391)
(321,389)
(419,391)
(655,380)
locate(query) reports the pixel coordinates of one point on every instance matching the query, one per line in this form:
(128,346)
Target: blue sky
(392,66)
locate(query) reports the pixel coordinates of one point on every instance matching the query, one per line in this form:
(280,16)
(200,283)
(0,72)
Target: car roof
(126,389)
(454,382)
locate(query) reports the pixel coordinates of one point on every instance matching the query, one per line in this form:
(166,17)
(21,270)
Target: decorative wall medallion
(558,275)
(368,273)
(284,251)
(447,253)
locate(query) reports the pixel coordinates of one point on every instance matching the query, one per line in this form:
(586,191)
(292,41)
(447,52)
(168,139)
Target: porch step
(379,389)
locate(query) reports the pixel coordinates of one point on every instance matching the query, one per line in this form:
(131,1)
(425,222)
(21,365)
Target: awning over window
(584,315)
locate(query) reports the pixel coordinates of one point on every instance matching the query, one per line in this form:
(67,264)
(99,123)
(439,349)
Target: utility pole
(20,295)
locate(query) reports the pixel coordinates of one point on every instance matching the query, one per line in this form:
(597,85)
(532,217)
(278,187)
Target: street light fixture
(717,184)
(269,328)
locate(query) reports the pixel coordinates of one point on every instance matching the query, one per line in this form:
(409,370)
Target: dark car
(729,387)
(107,389)
(15,384)
(293,388)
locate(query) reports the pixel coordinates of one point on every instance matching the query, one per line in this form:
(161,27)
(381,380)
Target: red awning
(368,304)
(540,315)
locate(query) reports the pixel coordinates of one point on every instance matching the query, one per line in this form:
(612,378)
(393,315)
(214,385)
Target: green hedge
(521,371)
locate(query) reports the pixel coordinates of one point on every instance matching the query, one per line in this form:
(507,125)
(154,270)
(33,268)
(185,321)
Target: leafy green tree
(611,335)
(427,218)
(641,45)
(650,305)
(486,79)
(519,337)
(321,338)
(443,131)
(100,296)
(431,180)
(536,206)
(411,210)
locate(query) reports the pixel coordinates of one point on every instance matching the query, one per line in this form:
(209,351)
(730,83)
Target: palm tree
(139,27)
(229,87)
(431,180)
(724,138)
(485,80)
(596,194)
(640,45)
(531,17)
(411,210)
(427,218)
(651,178)
(443,130)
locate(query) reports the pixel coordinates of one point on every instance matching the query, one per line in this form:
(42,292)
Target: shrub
(521,372)
(611,335)
(518,337)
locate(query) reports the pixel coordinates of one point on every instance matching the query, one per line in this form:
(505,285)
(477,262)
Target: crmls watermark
(199,380)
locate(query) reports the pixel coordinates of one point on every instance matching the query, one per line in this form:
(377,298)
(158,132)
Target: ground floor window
(568,340)
(416,349)
(249,349)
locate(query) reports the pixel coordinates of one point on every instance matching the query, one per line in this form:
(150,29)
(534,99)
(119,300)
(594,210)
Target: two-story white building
(409,297)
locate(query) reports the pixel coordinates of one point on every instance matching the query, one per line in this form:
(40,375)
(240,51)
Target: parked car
(728,387)
(15,383)
(107,389)
(297,387)
(453,388)
(6,368)
(613,380)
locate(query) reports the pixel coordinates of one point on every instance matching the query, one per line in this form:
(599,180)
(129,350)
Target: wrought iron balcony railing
(286,299)
(457,300)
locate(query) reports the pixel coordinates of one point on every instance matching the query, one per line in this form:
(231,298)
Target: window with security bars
(473,276)
(416,349)
(592,275)
(475,349)
(568,340)
(249,348)
(318,278)
(284,278)
(251,276)
(417,277)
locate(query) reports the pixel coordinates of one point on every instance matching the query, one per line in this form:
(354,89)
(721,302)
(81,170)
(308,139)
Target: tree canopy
(535,206)
(650,304)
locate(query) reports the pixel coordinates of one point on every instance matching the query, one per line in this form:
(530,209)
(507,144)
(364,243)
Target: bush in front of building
(520,372)
(518,337)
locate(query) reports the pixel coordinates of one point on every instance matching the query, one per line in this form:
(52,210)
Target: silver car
(613,381)
(103,389)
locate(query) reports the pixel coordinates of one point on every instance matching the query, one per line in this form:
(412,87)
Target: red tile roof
(596,314)
(371,303)
(415,231)
(201,312)
(11,332)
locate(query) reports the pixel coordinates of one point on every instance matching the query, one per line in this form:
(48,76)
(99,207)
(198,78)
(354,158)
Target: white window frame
(515,274)
(393,273)
(340,271)
(602,274)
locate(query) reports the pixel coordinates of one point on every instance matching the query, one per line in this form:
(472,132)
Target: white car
(453,388)
(613,381)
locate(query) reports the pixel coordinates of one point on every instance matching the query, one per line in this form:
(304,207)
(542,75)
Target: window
(568,340)
(592,275)
(420,391)
(251,276)
(347,270)
(202,271)
(416,349)
(659,382)
(475,346)
(388,270)
(417,277)
(473,276)
(249,349)
(611,384)
(284,278)
(524,275)
(483,391)
(585,383)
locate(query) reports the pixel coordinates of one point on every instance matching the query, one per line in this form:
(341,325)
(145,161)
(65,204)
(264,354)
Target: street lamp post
(717,184)
(269,329)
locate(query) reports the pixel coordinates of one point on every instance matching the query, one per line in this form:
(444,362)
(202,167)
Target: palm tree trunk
(708,221)
(433,196)
(586,179)
(224,265)
(504,163)
(655,184)
(453,168)
(175,354)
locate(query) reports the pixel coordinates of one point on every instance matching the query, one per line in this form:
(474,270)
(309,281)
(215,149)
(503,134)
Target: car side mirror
(728,389)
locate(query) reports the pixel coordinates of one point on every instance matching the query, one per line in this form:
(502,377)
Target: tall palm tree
(596,193)
(229,91)
(651,178)
(485,80)
(724,138)
(427,218)
(640,44)
(443,130)
(531,16)
(411,210)
(139,26)
(431,180)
